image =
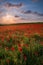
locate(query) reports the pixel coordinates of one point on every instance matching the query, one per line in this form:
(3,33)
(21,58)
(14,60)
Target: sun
(8,18)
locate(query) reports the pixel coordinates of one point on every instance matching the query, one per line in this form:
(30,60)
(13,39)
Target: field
(21,44)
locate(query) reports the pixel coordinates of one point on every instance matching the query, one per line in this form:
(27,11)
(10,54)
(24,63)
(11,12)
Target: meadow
(21,44)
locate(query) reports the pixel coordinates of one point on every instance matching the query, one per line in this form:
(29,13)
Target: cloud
(17,16)
(1,0)
(1,12)
(9,19)
(39,14)
(27,12)
(35,0)
(9,5)
(31,12)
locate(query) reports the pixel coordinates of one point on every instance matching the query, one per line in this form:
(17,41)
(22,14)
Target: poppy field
(21,44)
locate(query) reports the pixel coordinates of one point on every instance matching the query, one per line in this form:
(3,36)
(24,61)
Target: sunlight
(8,18)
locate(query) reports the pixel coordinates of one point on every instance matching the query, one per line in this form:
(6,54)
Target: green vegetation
(20,49)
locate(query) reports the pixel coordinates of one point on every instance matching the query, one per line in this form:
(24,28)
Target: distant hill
(21,23)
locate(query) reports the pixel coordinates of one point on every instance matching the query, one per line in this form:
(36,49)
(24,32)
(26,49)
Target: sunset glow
(8,17)
(23,11)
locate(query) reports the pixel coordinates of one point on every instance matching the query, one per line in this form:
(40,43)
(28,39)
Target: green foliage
(19,49)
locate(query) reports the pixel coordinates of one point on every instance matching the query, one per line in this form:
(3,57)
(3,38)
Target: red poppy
(22,45)
(2,39)
(26,34)
(19,45)
(12,48)
(7,60)
(26,45)
(36,53)
(41,43)
(20,49)
(6,48)
(42,62)
(15,36)
(25,57)
(8,38)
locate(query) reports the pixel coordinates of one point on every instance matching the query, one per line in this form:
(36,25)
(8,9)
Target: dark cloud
(23,19)
(31,12)
(35,0)
(39,14)
(17,16)
(2,0)
(13,5)
(27,12)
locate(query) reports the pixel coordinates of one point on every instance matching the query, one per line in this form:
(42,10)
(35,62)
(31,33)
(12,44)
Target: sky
(21,11)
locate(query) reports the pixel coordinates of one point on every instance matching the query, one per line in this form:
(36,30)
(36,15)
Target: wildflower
(25,57)
(12,48)
(7,60)
(2,39)
(19,45)
(26,45)
(36,53)
(42,62)
(8,38)
(6,48)
(20,49)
